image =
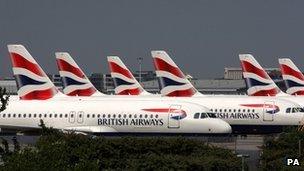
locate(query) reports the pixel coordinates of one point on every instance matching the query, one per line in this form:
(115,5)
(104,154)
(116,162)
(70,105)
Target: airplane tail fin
(32,82)
(125,82)
(292,76)
(257,80)
(172,80)
(75,82)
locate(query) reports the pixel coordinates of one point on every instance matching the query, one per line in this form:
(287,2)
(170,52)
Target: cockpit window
(211,115)
(294,110)
(196,115)
(204,115)
(300,109)
(288,110)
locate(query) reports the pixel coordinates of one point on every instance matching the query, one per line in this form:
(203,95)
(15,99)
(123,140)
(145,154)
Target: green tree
(4,98)
(276,150)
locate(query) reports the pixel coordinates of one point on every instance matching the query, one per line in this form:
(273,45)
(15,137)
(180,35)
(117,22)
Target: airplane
(124,81)
(245,114)
(39,99)
(292,76)
(75,82)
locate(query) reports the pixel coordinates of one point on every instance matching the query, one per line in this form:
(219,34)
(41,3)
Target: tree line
(55,150)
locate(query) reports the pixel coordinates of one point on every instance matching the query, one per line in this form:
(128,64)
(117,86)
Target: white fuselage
(111,115)
(238,110)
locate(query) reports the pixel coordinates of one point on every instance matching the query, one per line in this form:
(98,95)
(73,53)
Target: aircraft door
(72,116)
(174,116)
(269,111)
(80,116)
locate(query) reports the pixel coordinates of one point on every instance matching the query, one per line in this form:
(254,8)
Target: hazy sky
(202,36)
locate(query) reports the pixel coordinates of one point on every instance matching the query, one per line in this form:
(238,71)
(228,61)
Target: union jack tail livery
(32,82)
(74,80)
(172,80)
(125,83)
(292,76)
(257,80)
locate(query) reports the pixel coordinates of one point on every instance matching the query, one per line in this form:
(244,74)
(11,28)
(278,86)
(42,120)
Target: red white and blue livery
(292,76)
(172,81)
(102,115)
(257,80)
(75,82)
(32,82)
(124,81)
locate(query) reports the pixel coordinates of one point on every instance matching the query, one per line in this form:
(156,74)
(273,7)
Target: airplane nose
(225,128)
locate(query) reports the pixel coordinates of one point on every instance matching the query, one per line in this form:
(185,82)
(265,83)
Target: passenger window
(19,115)
(234,110)
(55,115)
(24,115)
(72,116)
(35,115)
(151,116)
(225,110)
(125,116)
(66,115)
(196,115)
(45,115)
(93,115)
(156,116)
(135,116)
(146,115)
(88,115)
(130,116)
(220,110)
(114,116)
(40,115)
(30,115)
(14,115)
(109,115)
(9,115)
(4,115)
(140,116)
(229,110)
(104,115)
(50,115)
(98,116)
(60,115)
(239,110)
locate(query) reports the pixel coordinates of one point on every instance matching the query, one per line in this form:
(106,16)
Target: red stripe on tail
(21,62)
(65,66)
(116,68)
(162,65)
(248,67)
